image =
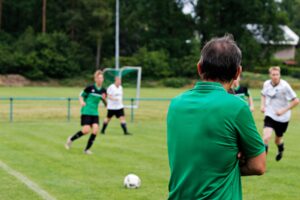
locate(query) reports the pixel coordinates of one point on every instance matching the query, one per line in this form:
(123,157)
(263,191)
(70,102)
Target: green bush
(285,71)
(176,82)
(42,56)
(261,70)
(295,72)
(154,64)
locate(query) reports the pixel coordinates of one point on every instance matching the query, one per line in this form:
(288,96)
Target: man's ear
(199,68)
(238,72)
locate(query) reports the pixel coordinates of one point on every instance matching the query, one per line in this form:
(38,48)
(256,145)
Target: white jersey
(116,93)
(278,97)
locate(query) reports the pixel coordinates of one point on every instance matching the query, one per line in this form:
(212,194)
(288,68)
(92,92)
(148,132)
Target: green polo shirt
(207,127)
(92,95)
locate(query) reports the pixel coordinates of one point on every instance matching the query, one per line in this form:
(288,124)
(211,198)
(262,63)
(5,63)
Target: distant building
(285,49)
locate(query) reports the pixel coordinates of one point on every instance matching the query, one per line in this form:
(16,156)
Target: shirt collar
(209,86)
(237,88)
(97,88)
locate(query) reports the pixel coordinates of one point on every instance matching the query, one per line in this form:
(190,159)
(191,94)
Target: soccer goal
(131,78)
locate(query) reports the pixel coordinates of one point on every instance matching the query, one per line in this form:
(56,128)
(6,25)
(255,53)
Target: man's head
(117,81)
(98,77)
(220,60)
(275,74)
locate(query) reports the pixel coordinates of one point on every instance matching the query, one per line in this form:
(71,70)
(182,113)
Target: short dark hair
(220,59)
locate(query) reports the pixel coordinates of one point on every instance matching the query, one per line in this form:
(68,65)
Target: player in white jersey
(115,105)
(277,100)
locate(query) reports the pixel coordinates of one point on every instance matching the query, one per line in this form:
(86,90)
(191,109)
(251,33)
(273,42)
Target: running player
(115,105)
(89,99)
(277,100)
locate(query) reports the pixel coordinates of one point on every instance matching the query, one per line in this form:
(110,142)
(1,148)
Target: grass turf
(33,145)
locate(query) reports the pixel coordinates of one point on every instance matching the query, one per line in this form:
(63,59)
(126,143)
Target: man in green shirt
(89,100)
(212,137)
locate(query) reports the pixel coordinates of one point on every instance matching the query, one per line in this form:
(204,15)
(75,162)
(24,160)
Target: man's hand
(82,103)
(281,112)
(241,158)
(252,166)
(262,109)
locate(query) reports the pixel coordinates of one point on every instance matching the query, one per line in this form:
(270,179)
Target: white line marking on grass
(33,186)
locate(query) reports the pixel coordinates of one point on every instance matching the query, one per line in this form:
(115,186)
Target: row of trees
(60,39)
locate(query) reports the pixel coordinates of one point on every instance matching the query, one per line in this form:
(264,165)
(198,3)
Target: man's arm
(254,166)
(104,99)
(262,103)
(291,105)
(110,97)
(251,104)
(252,157)
(81,101)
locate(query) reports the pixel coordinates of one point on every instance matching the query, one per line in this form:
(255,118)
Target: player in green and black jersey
(89,99)
(243,93)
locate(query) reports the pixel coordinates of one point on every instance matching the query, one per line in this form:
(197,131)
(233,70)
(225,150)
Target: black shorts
(117,113)
(89,120)
(279,127)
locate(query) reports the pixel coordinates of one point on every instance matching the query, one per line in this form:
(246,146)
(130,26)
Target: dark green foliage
(232,16)
(290,71)
(154,63)
(39,56)
(155,35)
(176,82)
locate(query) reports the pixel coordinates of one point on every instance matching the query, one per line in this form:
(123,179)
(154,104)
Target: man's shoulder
(179,98)
(111,86)
(184,94)
(103,90)
(241,89)
(284,82)
(234,99)
(89,88)
(224,97)
(267,82)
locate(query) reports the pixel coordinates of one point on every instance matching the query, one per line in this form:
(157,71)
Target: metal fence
(11,108)
(68,100)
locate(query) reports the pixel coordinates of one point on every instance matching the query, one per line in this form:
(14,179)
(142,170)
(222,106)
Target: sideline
(30,184)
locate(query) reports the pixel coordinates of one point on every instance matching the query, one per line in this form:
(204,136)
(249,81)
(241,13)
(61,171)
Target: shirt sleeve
(85,92)
(250,142)
(264,90)
(109,90)
(104,91)
(247,94)
(290,94)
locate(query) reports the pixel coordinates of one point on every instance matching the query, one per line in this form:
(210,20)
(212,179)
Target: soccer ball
(132,181)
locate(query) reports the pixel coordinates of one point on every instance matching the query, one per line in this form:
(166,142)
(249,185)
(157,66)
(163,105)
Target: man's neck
(274,84)
(98,86)
(226,85)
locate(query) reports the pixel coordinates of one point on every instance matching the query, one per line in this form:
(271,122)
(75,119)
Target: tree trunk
(72,28)
(1,1)
(44,16)
(98,56)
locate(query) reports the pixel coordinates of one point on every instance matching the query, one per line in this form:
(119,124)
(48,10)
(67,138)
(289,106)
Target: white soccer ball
(132,181)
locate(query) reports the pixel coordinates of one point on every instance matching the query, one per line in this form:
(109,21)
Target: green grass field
(33,146)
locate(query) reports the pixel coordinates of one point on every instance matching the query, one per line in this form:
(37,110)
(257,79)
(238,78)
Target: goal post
(131,77)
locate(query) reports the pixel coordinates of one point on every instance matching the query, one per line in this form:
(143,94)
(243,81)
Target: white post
(117,45)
